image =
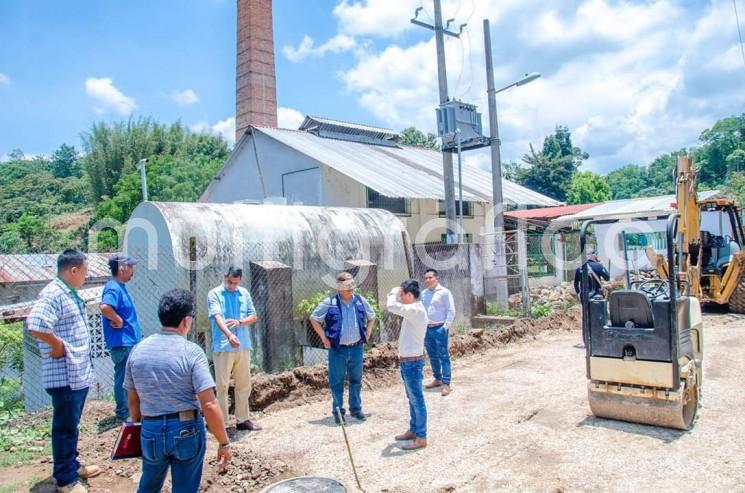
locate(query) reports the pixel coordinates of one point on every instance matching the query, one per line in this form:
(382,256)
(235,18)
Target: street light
(496,166)
(525,80)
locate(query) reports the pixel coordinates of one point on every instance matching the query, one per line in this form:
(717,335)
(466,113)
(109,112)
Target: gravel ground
(518,420)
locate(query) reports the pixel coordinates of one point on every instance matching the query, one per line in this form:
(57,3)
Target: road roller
(644,346)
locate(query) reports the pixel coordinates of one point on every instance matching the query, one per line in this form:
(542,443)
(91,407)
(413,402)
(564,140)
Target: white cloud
(336,44)
(375,17)
(224,128)
(289,118)
(108,96)
(625,77)
(185,97)
(4,80)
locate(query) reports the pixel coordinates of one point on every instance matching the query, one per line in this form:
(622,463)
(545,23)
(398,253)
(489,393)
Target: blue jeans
(436,342)
(412,373)
(119,356)
(346,361)
(180,445)
(67,406)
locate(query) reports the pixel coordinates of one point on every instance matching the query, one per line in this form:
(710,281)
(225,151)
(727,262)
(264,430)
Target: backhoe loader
(712,264)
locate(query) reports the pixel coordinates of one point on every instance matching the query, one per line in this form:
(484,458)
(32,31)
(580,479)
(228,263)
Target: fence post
(522,261)
(271,290)
(193,285)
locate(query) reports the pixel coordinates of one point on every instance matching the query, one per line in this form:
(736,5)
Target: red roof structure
(546,214)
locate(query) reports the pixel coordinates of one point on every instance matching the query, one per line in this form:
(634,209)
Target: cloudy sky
(631,79)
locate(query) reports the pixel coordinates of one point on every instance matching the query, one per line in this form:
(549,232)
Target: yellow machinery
(711,266)
(644,346)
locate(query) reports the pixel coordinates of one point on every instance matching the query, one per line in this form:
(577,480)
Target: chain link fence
(285,289)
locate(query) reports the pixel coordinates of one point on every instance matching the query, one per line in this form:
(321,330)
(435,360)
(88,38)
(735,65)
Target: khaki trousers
(237,364)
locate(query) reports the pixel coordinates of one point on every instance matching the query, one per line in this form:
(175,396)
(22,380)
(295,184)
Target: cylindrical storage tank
(191,246)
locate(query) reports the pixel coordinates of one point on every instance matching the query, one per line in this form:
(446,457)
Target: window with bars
(391,204)
(467,208)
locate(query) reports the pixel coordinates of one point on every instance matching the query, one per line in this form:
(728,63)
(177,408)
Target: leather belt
(181,415)
(432,326)
(409,359)
(355,344)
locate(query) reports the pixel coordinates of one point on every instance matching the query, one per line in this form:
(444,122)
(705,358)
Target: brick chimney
(255,82)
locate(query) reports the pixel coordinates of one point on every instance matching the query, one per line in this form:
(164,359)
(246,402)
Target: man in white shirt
(440,306)
(404,301)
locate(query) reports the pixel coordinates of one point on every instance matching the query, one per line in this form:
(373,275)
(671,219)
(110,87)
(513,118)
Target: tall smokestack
(255,82)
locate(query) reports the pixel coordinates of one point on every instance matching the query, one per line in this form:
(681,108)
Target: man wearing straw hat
(348,320)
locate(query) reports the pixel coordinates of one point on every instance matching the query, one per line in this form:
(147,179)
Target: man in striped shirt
(58,320)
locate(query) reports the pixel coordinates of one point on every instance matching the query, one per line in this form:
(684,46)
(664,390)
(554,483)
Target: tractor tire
(737,300)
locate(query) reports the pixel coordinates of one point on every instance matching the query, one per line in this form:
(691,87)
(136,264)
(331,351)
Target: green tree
(627,181)
(414,137)
(587,188)
(30,228)
(65,162)
(661,173)
(170,178)
(114,150)
(718,155)
(550,171)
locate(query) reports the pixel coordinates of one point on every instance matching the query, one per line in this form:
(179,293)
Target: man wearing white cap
(121,328)
(348,322)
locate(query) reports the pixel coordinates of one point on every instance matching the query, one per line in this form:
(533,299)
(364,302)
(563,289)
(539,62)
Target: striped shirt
(61,311)
(167,372)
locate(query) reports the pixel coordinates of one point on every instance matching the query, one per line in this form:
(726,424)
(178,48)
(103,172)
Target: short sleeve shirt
(61,311)
(167,372)
(236,305)
(116,295)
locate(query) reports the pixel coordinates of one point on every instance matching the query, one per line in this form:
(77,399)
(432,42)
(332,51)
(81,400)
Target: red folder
(127,444)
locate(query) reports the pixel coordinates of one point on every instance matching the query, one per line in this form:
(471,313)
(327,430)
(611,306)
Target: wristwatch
(224,445)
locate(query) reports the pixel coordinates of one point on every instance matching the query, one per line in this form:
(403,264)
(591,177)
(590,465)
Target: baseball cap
(122,258)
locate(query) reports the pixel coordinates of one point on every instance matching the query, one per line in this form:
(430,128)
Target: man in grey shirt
(168,380)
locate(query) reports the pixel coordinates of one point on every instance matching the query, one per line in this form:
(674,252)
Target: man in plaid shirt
(58,320)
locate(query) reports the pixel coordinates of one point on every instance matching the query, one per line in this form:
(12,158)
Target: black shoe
(359,415)
(247,425)
(343,419)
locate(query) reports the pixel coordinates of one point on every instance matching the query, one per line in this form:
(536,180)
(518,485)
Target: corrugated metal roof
(43,267)
(401,171)
(19,311)
(340,123)
(661,205)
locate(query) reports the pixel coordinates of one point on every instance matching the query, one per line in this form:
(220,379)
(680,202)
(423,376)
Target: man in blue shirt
(231,311)
(121,329)
(348,322)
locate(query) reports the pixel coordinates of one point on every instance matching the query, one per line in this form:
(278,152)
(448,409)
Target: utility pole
(500,255)
(447,157)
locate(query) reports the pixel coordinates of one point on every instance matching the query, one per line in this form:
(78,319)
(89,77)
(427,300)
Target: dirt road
(518,420)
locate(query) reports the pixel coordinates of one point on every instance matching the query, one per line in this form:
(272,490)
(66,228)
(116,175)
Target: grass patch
(19,486)
(22,438)
(537,310)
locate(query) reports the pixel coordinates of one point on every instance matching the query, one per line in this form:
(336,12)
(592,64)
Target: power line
(739,32)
